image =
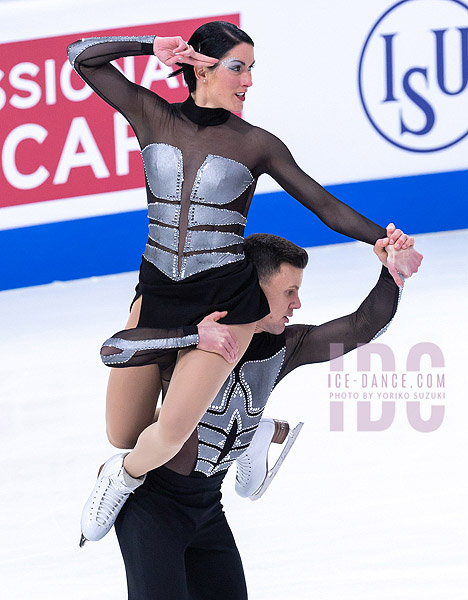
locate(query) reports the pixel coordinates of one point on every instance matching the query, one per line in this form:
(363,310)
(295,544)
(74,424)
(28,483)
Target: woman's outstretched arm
(279,163)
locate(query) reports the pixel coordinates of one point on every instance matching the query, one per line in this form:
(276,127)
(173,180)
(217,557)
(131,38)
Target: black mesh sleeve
(145,346)
(306,344)
(91,58)
(279,163)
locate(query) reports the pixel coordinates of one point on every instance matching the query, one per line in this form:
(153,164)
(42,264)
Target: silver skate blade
(83,541)
(292,437)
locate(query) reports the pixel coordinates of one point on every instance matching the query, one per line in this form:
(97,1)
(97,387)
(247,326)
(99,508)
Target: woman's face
(226,85)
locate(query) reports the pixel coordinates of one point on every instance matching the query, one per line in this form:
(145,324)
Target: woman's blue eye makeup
(235,64)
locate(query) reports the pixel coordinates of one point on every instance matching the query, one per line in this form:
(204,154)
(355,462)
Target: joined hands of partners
(397,253)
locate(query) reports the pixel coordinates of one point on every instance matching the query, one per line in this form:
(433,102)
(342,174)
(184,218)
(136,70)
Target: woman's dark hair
(267,252)
(213,39)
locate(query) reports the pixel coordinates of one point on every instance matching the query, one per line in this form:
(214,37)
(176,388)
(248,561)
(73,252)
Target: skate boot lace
(244,469)
(111,499)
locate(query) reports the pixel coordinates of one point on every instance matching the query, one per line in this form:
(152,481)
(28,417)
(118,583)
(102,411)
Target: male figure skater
(172,531)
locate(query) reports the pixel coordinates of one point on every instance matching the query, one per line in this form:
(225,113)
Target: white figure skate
(113,486)
(253,476)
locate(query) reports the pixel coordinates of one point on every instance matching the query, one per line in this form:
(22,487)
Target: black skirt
(233,287)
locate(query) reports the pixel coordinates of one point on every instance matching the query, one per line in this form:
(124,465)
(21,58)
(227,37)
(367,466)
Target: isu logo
(413,74)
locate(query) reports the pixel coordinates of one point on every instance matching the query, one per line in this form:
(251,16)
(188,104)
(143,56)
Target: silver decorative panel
(220,180)
(241,402)
(168,263)
(209,215)
(166,236)
(164,212)
(209,240)
(164,171)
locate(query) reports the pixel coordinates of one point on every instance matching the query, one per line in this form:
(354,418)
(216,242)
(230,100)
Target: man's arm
(144,346)
(306,344)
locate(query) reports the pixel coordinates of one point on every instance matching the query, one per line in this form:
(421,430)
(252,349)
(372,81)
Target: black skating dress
(201,168)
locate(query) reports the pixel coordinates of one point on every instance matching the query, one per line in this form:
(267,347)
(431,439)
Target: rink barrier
(114,243)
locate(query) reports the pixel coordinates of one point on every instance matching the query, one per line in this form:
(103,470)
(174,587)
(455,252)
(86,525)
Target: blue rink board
(114,243)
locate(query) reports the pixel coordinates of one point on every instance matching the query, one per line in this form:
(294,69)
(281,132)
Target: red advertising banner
(57,138)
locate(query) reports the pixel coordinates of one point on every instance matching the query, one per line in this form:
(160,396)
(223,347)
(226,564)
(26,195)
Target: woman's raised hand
(171,50)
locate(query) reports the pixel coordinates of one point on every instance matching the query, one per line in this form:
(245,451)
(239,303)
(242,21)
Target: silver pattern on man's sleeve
(384,329)
(130,347)
(75,49)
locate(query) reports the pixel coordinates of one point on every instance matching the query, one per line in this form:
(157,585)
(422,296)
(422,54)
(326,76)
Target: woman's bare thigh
(197,378)
(132,395)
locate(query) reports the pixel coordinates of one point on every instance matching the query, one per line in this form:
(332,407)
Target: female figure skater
(201,164)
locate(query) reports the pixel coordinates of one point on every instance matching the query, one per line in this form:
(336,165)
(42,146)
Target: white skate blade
(83,541)
(292,437)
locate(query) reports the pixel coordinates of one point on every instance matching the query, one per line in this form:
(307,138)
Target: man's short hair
(268,252)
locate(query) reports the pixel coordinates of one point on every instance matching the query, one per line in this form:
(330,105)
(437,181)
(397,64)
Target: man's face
(282,292)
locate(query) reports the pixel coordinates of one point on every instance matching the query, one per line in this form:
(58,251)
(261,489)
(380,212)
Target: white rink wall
(352,515)
(307,59)
(369,96)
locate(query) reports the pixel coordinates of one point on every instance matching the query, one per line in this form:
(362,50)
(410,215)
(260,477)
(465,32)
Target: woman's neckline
(204,116)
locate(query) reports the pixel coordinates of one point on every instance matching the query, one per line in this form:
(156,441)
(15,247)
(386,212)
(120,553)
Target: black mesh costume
(172,531)
(230,422)
(201,168)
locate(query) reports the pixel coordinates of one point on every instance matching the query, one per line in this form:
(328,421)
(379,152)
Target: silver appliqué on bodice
(229,424)
(218,181)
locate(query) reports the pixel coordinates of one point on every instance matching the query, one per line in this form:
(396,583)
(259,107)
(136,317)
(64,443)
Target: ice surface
(351,515)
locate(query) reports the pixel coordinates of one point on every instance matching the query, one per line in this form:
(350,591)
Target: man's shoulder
(264,345)
(297,329)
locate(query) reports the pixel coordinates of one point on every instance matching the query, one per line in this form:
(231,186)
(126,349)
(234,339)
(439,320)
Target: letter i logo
(413,74)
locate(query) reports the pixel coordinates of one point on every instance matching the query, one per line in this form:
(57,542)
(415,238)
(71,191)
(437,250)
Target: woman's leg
(197,378)
(132,394)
